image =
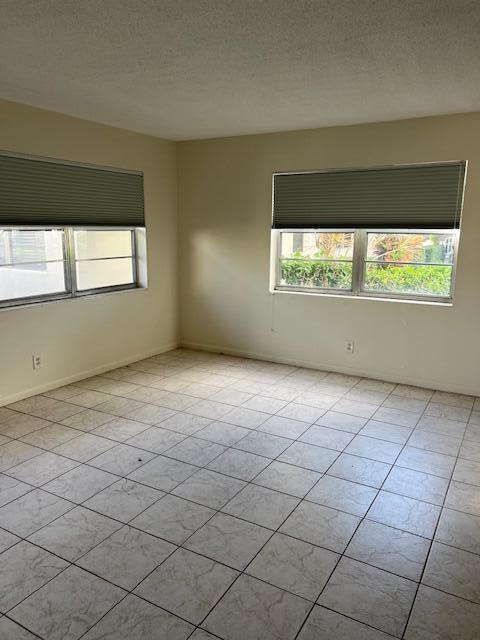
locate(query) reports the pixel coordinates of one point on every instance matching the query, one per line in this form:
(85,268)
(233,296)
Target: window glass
(109,243)
(411,263)
(94,274)
(316,259)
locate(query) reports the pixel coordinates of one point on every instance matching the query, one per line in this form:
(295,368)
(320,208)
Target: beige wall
(224,191)
(77,337)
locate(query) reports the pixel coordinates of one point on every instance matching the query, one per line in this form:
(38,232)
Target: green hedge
(430,280)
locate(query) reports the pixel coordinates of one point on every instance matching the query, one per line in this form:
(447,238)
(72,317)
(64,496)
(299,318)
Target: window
(39,264)
(381,263)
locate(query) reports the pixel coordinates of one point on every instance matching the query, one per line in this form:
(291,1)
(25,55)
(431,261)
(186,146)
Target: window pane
(309,273)
(104,273)
(19,246)
(109,243)
(37,279)
(411,247)
(317,245)
(422,280)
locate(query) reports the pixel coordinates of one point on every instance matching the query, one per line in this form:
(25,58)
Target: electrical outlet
(37,362)
(350,346)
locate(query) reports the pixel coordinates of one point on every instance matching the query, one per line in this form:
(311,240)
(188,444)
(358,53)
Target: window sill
(349,296)
(90,297)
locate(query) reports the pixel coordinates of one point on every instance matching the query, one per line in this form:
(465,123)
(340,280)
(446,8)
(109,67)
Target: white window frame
(69,263)
(359,262)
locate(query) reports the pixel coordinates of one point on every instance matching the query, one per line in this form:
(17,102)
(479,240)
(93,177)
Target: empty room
(239,320)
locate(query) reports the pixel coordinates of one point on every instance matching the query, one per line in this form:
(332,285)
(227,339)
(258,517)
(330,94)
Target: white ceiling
(185,69)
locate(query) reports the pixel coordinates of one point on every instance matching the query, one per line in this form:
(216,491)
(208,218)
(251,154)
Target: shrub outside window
(405,264)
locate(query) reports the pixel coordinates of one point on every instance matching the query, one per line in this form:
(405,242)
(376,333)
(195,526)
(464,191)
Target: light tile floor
(193,495)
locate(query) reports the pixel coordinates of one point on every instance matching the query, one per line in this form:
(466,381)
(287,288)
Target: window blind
(41,191)
(414,196)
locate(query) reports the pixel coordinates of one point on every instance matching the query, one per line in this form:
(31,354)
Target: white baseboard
(81,375)
(328,366)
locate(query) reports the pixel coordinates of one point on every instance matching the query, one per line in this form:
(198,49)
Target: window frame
(359,262)
(69,265)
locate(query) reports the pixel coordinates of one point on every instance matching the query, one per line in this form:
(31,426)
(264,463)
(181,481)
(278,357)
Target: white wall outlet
(37,362)
(350,346)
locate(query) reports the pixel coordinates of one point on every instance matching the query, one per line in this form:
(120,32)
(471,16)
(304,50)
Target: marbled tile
(467,471)
(135,619)
(51,436)
(185,423)
(442,426)
(293,565)
(325,437)
(396,551)
(454,571)
(287,478)
(440,410)
(200,634)
(355,407)
(261,506)
(120,429)
(342,494)
(328,625)
(472,433)
(239,464)
(126,557)
(406,403)
(28,513)
(263,444)
(370,384)
(175,401)
(448,445)
(23,569)
(222,433)
(470,451)
(303,412)
(123,500)
(80,483)
(309,456)
(13,631)
(264,404)
(229,540)
(15,452)
(122,459)
(10,489)
(426,461)
(397,416)
(196,451)
(187,585)
(386,431)
(321,526)
(370,595)
(17,425)
(371,396)
(74,533)
(209,488)
(415,484)
(409,391)
(404,513)
(87,420)
(41,469)
(47,408)
(155,439)
(67,606)
(257,611)
(317,399)
(210,409)
(232,397)
(163,473)
(460,530)
(453,399)
(463,497)
(84,447)
(342,422)
(439,616)
(150,414)
(7,540)
(284,427)
(173,519)
(374,449)
(89,399)
(362,470)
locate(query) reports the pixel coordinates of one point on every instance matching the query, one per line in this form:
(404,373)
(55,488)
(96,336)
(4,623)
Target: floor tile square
(261,506)
(40,469)
(163,473)
(374,449)
(287,478)
(397,416)
(463,497)
(283,427)
(460,530)
(123,500)
(173,519)
(51,436)
(80,483)
(416,484)
(7,540)
(321,526)
(454,571)
(87,420)
(187,585)
(263,444)
(303,412)
(326,437)
(264,404)
(196,451)
(293,565)
(122,459)
(84,447)
(426,461)
(342,421)
(67,606)
(229,540)
(386,431)
(343,495)
(309,456)
(155,439)
(255,610)
(405,513)
(370,595)
(362,470)
(222,433)
(17,425)
(448,445)
(239,464)
(209,488)
(31,511)
(11,488)
(16,452)
(120,429)
(185,423)
(467,471)
(329,625)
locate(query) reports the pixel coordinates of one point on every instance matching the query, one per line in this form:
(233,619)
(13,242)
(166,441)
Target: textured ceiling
(184,69)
